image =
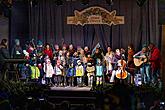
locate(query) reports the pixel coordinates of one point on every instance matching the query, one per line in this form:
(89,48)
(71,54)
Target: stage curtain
(47,22)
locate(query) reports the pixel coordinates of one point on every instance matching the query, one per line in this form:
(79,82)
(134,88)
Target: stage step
(74,95)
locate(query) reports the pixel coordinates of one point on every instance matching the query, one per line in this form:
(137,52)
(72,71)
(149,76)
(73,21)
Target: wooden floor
(70,88)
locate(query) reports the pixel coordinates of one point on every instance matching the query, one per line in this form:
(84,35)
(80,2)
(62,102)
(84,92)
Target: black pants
(70,81)
(58,80)
(3,71)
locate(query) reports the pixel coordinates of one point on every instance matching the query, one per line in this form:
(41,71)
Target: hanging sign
(95,15)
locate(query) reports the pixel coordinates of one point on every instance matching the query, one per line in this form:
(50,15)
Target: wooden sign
(95,15)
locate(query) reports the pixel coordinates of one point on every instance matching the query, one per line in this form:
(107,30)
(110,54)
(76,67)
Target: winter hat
(89,63)
(39,43)
(25,53)
(144,45)
(47,60)
(17,41)
(78,62)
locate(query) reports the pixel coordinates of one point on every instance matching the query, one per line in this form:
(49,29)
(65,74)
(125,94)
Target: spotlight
(109,2)
(58,2)
(85,2)
(162,103)
(29,98)
(140,2)
(41,99)
(34,3)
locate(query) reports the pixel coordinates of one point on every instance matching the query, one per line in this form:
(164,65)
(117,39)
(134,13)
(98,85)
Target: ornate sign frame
(95,15)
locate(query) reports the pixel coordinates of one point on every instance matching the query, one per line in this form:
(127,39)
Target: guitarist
(145,66)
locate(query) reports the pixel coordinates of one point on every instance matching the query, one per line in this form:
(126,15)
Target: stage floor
(70,88)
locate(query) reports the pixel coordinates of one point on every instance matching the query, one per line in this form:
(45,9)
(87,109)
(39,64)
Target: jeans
(79,80)
(145,73)
(155,75)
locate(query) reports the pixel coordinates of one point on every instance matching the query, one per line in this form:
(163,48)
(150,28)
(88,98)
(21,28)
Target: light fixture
(29,98)
(34,3)
(85,2)
(58,2)
(109,2)
(140,2)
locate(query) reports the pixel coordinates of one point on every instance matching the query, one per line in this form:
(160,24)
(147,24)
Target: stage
(67,88)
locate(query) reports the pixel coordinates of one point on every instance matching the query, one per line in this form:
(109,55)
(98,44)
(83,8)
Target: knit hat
(17,41)
(47,60)
(89,63)
(25,53)
(144,45)
(39,42)
(78,62)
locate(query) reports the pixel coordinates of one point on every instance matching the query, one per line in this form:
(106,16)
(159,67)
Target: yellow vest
(79,71)
(35,72)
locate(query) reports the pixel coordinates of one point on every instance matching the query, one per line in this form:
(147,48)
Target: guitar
(139,60)
(123,74)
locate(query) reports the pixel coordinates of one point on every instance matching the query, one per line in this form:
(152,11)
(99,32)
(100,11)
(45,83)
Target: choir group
(69,66)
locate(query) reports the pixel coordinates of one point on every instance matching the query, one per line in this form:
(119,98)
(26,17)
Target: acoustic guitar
(139,60)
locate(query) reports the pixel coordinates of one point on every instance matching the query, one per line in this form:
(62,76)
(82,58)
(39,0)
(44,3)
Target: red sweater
(155,59)
(49,53)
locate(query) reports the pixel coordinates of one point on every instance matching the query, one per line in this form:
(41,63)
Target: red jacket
(155,59)
(49,53)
